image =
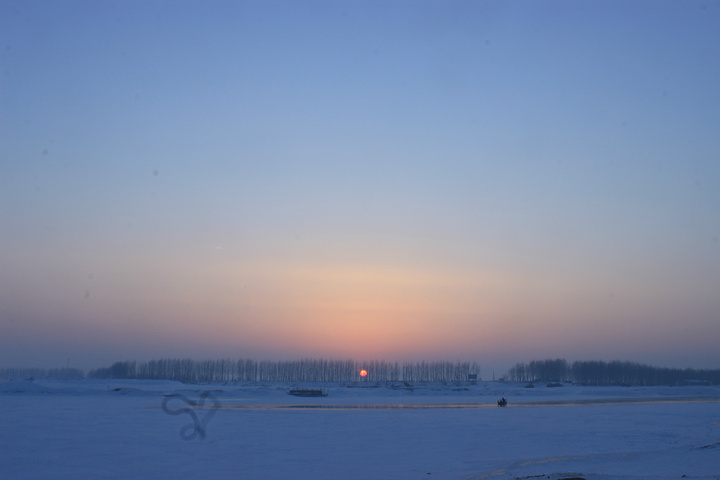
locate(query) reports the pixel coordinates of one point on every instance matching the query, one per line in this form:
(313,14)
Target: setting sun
(363,373)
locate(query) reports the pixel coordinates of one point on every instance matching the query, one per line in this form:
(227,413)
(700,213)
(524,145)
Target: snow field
(107,430)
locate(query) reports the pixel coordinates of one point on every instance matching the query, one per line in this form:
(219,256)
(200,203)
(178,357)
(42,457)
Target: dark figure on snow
(502,402)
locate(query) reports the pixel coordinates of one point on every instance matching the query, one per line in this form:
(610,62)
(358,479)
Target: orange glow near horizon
(396,311)
(363,373)
(339,310)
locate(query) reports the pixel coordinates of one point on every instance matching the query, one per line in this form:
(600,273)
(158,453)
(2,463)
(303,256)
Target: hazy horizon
(490,372)
(487,181)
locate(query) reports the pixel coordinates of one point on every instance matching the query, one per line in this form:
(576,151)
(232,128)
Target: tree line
(306,370)
(596,372)
(51,373)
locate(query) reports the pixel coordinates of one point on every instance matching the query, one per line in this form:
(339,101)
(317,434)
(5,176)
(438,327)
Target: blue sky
(485,180)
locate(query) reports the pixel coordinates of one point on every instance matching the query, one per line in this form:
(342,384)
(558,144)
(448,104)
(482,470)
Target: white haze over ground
(106,429)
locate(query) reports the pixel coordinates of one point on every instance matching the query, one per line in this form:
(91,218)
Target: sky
(395,180)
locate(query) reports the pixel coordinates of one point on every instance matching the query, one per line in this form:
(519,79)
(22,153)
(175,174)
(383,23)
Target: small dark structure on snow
(502,402)
(300,392)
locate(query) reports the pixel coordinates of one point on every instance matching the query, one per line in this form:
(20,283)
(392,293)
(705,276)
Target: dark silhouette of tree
(616,372)
(305,370)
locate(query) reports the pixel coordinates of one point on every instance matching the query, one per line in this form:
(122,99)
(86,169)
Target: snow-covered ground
(119,429)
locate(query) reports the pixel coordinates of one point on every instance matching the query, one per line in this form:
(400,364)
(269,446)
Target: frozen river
(119,429)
